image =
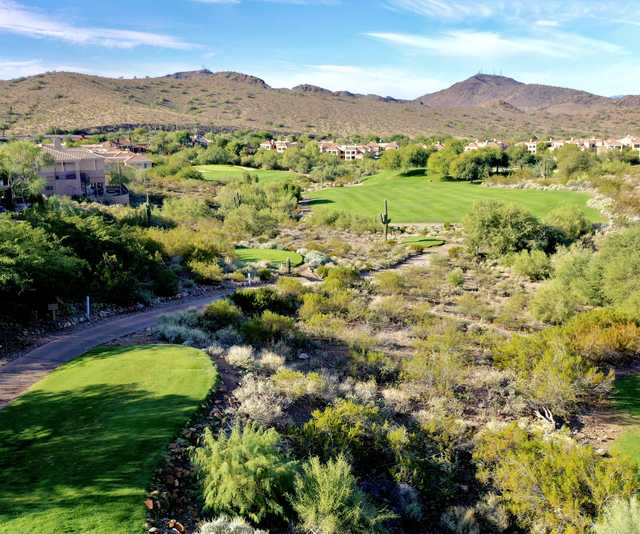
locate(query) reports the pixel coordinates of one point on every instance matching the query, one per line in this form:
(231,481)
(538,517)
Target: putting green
(226,173)
(274,256)
(416,198)
(78,449)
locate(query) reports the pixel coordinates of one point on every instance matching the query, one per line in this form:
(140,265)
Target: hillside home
(115,157)
(478,145)
(630,142)
(78,172)
(283,146)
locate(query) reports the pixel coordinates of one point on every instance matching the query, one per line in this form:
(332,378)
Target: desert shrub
(389,311)
(182,328)
(290,287)
(603,335)
(437,373)
(341,278)
(373,364)
(473,306)
(270,361)
(259,401)
(570,221)
(224,525)
(456,278)
(241,356)
(359,390)
(621,516)
(389,283)
(346,427)
(296,384)
(328,501)
(548,374)
(553,303)
(534,265)
(244,473)
(498,229)
(221,314)
(550,483)
(208,272)
(616,266)
(269,328)
(513,312)
(257,301)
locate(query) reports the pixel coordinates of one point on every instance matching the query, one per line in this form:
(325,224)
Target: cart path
(20,374)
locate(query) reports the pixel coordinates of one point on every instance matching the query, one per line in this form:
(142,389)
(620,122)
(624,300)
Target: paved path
(20,374)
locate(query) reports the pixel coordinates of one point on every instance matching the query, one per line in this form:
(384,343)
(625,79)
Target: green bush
(534,265)
(328,501)
(221,314)
(269,328)
(245,473)
(456,278)
(622,516)
(550,483)
(207,272)
(554,303)
(347,427)
(257,301)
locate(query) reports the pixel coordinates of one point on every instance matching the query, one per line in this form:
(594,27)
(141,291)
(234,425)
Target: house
(78,172)
(117,158)
(270,144)
(630,142)
(478,145)
(283,146)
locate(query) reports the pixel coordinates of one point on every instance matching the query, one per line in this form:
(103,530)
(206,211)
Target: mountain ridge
(481,105)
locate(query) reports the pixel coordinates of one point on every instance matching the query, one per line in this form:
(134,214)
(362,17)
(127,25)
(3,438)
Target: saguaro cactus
(237,200)
(385,220)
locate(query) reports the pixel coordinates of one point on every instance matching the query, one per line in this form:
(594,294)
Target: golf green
(226,173)
(274,256)
(418,199)
(78,449)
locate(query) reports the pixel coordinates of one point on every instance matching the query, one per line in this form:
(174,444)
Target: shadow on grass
(627,395)
(64,451)
(319,202)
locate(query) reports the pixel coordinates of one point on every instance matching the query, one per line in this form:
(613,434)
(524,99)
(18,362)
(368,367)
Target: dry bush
(270,361)
(241,356)
(259,401)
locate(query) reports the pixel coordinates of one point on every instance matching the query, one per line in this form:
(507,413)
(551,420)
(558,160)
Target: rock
(154,530)
(303,356)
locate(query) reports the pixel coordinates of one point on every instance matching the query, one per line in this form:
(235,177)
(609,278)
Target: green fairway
(226,173)
(627,401)
(416,199)
(77,451)
(275,256)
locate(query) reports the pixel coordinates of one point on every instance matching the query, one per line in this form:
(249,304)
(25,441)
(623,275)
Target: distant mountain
(482,106)
(484,89)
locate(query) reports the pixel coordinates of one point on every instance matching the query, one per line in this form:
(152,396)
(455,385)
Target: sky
(400,48)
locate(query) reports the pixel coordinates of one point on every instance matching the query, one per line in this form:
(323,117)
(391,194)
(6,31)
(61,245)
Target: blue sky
(403,48)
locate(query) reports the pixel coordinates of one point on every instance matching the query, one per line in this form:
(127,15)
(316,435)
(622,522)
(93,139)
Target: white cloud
(475,44)
(16,18)
(522,10)
(380,81)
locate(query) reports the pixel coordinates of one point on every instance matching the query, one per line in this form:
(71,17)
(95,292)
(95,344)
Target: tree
(498,229)
(439,164)
(414,156)
(21,162)
(518,156)
(391,159)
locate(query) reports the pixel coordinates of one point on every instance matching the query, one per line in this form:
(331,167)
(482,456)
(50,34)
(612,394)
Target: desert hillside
(484,106)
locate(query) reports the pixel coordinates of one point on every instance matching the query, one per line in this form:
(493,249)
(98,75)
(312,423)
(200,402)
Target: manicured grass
(255,255)
(77,451)
(225,173)
(417,199)
(627,401)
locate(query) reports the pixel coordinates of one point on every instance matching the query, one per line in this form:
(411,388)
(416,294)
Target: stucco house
(77,172)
